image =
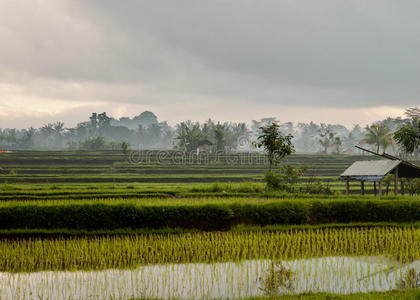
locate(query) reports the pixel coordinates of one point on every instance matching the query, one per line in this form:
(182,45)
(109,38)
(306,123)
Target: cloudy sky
(329,61)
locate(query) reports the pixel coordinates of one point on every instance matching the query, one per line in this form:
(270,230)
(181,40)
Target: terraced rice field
(93,225)
(44,168)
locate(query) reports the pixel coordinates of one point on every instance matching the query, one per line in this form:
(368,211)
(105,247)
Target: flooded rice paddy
(229,280)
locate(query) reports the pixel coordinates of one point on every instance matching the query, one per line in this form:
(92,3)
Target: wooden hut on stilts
(375,171)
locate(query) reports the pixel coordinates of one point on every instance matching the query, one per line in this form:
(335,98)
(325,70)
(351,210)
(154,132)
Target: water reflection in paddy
(340,275)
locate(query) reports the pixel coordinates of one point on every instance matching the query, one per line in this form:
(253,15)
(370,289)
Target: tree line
(399,136)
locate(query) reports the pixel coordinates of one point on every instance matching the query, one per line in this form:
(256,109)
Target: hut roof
(377,169)
(205,142)
(371,168)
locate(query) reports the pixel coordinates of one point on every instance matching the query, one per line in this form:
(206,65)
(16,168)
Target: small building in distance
(375,171)
(204,146)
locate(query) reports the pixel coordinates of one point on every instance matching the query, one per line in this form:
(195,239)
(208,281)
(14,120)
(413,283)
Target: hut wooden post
(362,185)
(374,188)
(402,187)
(347,186)
(396,181)
(380,187)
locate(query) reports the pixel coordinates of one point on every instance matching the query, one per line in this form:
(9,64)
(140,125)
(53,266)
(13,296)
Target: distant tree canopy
(225,137)
(379,135)
(408,135)
(398,135)
(329,139)
(145,119)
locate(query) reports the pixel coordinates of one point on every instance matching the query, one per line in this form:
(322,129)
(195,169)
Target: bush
(413,186)
(387,181)
(93,143)
(285,179)
(205,217)
(316,188)
(275,181)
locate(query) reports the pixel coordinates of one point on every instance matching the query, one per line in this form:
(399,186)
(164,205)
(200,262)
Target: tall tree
(146,119)
(219,132)
(327,138)
(239,138)
(276,145)
(188,136)
(124,147)
(379,135)
(93,121)
(307,133)
(413,113)
(408,135)
(103,121)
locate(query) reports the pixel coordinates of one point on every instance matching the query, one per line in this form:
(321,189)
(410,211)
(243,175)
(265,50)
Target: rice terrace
(100,224)
(212,150)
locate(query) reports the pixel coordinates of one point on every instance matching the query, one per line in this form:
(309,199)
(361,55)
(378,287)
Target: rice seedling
(130,251)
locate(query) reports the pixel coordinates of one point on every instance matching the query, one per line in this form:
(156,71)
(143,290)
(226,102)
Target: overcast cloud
(327,61)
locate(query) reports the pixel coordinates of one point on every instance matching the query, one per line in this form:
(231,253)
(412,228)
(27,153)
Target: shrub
(388,179)
(93,143)
(413,186)
(285,179)
(205,217)
(316,188)
(275,181)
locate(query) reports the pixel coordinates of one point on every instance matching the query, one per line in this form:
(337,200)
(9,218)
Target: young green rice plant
(241,187)
(9,187)
(399,245)
(410,281)
(230,280)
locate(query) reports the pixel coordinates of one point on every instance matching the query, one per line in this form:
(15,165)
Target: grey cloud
(369,47)
(328,52)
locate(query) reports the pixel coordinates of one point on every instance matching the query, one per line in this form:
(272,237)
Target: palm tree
(220,133)
(378,135)
(408,136)
(188,136)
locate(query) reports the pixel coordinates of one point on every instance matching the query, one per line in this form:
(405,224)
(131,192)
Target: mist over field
(146,131)
(234,61)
